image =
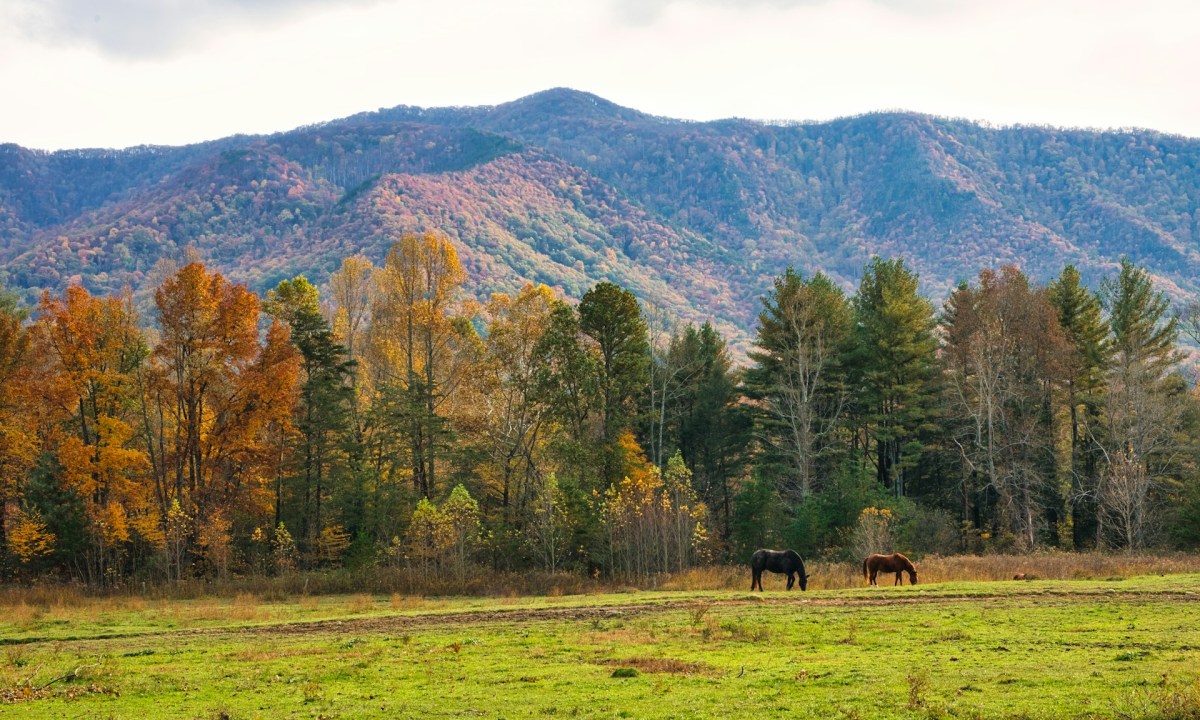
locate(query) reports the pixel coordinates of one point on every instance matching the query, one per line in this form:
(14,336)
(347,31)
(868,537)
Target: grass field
(1121,647)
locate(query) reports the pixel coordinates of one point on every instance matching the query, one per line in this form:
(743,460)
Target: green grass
(1045,649)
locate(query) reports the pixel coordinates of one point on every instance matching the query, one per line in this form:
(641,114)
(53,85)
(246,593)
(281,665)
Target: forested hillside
(561,335)
(565,188)
(394,420)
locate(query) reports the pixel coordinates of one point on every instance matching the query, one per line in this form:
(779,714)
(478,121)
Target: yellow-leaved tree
(515,411)
(28,537)
(653,524)
(461,512)
(444,537)
(422,347)
(428,538)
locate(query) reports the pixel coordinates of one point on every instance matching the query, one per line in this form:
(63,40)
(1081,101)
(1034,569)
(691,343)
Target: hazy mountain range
(566,188)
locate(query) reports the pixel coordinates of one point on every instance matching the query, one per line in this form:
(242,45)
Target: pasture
(1123,647)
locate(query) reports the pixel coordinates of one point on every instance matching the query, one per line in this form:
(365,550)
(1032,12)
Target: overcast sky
(114,73)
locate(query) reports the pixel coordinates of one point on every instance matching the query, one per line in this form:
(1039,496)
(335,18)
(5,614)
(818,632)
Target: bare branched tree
(1002,338)
(1141,416)
(800,345)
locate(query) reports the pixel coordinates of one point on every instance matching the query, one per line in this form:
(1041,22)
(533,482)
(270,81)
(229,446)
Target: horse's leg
(873,574)
(755,577)
(899,580)
(791,580)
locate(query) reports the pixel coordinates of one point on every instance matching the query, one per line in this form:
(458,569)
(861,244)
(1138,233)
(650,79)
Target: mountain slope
(567,188)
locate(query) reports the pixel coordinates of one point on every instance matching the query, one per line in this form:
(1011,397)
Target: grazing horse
(896,563)
(777,561)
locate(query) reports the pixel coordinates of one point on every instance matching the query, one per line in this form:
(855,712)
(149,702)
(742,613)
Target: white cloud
(646,11)
(275,64)
(149,28)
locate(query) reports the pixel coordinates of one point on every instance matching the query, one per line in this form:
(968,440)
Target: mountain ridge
(698,217)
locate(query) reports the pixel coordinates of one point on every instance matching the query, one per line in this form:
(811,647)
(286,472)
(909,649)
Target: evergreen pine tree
(610,315)
(323,418)
(1079,315)
(894,373)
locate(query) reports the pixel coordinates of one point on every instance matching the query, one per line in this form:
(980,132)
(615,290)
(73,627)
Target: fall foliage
(391,419)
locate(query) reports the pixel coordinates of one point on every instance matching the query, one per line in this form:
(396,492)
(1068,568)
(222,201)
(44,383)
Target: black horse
(777,561)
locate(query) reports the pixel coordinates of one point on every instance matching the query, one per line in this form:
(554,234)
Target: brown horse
(896,563)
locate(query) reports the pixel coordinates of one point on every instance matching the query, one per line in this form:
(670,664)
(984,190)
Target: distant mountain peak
(569,103)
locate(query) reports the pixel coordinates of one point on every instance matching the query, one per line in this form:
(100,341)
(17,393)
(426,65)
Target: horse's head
(912,575)
(803,580)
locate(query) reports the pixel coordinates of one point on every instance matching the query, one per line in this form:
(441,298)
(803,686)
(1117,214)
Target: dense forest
(396,420)
(565,189)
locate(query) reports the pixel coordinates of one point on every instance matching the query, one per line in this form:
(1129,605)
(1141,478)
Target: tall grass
(399,582)
(1053,566)
(971,568)
(28,603)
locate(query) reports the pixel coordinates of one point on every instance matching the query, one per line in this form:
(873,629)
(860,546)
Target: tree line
(392,420)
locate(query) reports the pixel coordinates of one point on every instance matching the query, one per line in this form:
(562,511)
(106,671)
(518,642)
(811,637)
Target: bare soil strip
(609,612)
(396,623)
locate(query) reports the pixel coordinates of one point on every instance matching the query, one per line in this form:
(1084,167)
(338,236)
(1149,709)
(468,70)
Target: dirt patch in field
(479,617)
(28,693)
(630,610)
(661,665)
(22,693)
(399,623)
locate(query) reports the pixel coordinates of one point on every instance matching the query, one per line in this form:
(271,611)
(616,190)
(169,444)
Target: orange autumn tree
(217,404)
(19,443)
(94,350)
